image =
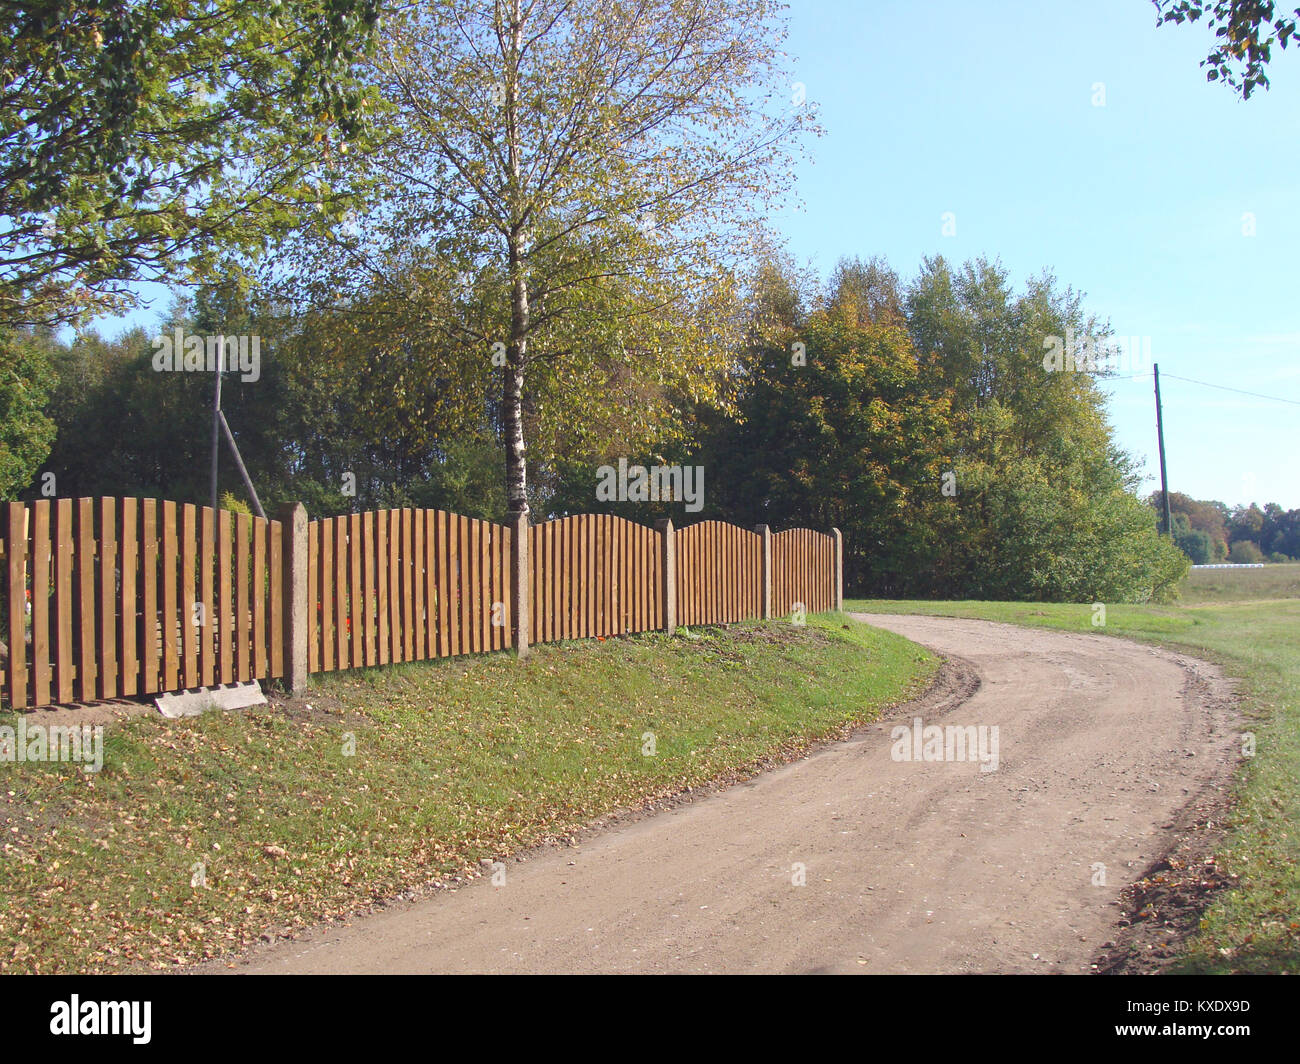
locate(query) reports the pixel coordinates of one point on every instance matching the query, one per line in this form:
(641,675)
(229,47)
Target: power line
(1239,391)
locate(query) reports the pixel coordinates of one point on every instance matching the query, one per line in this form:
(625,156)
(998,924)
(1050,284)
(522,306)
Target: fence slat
(42,561)
(455,587)
(605,555)
(325,592)
(484,556)
(16,636)
(395,585)
(243,607)
(444,583)
(475,575)
(168,619)
(313,596)
(106,620)
(418,572)
(207,632)
(275,590)
(149,634)
(496,600)
(128,609)
(84,600)
(555,572)
(534,584)
(355,612)
(410,563)
(370,553)
(381,585)
(342,621)
(225,593)
(261,667)
(189,573)
(505,570)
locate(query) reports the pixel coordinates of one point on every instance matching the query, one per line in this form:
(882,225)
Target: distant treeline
(1209,532)
(916,416)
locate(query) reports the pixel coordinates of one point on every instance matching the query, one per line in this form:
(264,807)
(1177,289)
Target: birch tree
(592,172)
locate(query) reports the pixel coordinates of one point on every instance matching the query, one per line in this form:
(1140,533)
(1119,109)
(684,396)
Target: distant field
(1241,585)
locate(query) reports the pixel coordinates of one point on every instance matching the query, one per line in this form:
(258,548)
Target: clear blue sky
(986,111)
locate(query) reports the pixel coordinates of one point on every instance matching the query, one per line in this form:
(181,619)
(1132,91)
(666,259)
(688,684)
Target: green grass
(1241,585)
(385,780)
(1255,927)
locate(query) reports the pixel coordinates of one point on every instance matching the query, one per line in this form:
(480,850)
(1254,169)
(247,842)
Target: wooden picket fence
(799,555)
(719,574)
(594,575)
(405,585)
(110,598)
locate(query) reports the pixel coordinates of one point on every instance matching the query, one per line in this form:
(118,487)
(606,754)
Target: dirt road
(852,860)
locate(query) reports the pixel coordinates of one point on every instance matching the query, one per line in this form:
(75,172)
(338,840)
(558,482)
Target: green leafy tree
(1245,30)
(591,172)
(835,428)
(1045,505)
(1192,541)
(138,136)
(1207,517)
(26,433)
(1246,522)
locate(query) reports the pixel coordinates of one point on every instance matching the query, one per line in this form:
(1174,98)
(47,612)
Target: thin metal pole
(216,422)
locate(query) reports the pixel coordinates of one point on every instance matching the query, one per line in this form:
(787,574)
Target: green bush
(1244,552)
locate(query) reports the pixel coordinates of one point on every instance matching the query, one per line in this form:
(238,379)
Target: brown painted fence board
(190,631)
(148,612)
(275,591)
(243,604)
(16,575)
(417,583)
(395,586)
(128,605)
(225,601)
(168,621)
(261,664)
(106,599)
(207,612)
(803,563)
(356,600)
(42,563)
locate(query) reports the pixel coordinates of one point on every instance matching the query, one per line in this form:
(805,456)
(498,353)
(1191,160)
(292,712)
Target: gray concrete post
(520,583)
(297,610)
(839,569)
(668,569)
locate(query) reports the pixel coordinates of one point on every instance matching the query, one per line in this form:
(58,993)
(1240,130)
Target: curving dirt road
(1103,747)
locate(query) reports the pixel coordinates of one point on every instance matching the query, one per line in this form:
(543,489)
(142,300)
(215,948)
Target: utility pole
(1160,436)
(221,425)
(216,423)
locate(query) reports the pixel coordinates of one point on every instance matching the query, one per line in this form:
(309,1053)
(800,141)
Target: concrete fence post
(520,583)
(838,587)
(765,572)
(668,571)
(297,610)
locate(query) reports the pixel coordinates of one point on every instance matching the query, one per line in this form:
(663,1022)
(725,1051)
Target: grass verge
(199,836)
(1255,926)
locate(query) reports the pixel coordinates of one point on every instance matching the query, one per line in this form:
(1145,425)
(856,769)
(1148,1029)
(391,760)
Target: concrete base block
(200,699)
